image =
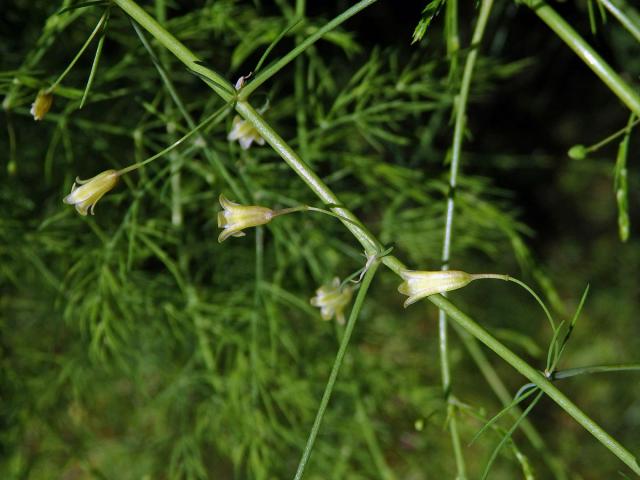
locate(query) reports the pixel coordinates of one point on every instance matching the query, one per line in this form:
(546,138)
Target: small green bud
(578,152)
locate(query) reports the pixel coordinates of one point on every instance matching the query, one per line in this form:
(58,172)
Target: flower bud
(90,191)
(235,217)
(420,284)
(577,152)
(332,300)
(42,104)
(245,133)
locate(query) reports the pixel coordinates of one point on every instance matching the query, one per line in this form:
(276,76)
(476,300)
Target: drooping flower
(235,218)
(332,300)
(420,284)
(90,191)
(245,133)
(41,104)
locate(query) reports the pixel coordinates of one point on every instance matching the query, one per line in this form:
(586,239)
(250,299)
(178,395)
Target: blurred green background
(135,346)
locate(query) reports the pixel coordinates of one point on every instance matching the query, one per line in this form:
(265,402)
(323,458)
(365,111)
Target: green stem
(587,54)
(215,115)
(99,26)
(257,313)
(220,84)
(174,161)
(370,244)
(355,311)
(53,27)
(307,208)
(624,130)
(538,379)
(307,174)
(572,372)
(96,61)
(300,89)
(214,159)
(497,385)
(453,39)
(534,295)
(370,438)
(626,15)
(270,71)
(458,134)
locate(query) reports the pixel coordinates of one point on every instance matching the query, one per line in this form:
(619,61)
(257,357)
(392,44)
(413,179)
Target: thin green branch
(214,159)
(539,380)
(497,385)
(270,71)
(98,28)
(458,134)
(326,396)
(572,372)
(628,17)
(96,61)
(588,55)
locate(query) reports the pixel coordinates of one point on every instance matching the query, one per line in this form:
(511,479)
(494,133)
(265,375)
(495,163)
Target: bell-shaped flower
(42,104)
(85,196)
(235,218)
(420,284)
(332,300)
(245,133)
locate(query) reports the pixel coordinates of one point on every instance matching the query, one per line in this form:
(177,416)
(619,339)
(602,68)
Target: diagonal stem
(344,343)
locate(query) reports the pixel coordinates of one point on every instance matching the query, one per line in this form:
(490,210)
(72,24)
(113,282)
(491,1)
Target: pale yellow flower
(90,191)
(235,218)
(332,300)
(245,133)
(420,284)
(41,105)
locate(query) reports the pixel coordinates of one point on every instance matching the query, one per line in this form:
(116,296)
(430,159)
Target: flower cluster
(333,298)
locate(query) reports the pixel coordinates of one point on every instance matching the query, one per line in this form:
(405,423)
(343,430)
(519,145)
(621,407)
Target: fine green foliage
(135,345)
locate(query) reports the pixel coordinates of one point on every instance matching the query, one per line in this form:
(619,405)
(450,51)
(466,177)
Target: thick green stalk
(588,55)
(344,343)
(368,241)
